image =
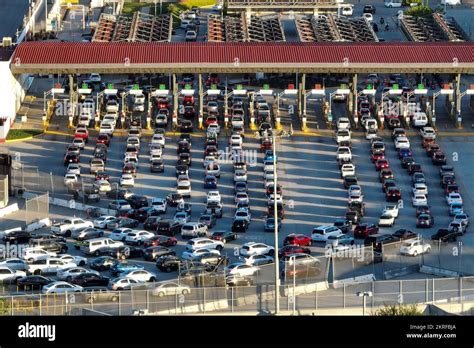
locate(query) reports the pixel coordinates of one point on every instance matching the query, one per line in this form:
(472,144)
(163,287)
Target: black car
(174,199)
(444,235)
(157,166)
(102,263)
(185,206)
(151,223)
(369,9)
(240,187)
(183,147)
(184,159)
(137,202)
(240,226)
(185,126)
(33,282)
(17,237)
(406,161)
(403,234)
(186,137)
(121,194)
(125,252)
(223,236)
(446,170)
(47,237)
(270,224)
(424,220)
(353,216)
(394,123)
(414,168)
(350,180)
(168,227)
(71,158)
(90,279)
(214,208)
(344,225)
(154,252)
(182,170)
(168,263)
(359,207)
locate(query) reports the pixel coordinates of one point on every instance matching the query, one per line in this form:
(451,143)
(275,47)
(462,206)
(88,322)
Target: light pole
(364,294)
(275,217)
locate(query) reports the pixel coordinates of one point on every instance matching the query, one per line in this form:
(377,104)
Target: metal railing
(300,298)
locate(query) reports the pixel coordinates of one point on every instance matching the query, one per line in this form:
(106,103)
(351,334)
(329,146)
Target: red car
(82,133)
(161,240)
(293,249)
(432,148)
(266,145)
(426,142)
(103,139)
(188,100)
(163,103)
(102,176)
(297,239)
(381,163)
(377,155)
(189,112)
(211,120)
(365,229)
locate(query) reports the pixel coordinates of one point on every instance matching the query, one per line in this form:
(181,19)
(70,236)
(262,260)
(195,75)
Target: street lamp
(364,294)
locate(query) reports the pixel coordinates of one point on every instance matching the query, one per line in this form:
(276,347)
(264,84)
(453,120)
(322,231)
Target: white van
(49,266)
(93,246)
(419,119)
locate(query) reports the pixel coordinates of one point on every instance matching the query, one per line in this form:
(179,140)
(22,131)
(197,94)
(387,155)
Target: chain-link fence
(453,257)
(393,261)
(172,299)
(37,208)
(352,261)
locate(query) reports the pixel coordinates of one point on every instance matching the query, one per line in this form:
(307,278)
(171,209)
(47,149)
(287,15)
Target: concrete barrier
(79,206)
(305,288)
(352,281)
(38,225)
(9,209)
(438,271)
(401,272)
(195,309)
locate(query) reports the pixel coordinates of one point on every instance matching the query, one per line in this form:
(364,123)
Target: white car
(241,197)
(123,283)
(8,275)
(69,273)
(343,123)
(70,178)
(257,260)
(213,169)
(84,120)
(213,196)
(420,189)
(112,106)
(253,248)
(191,35)
(133,141)
(70,225)
(344,152)
(191,255)
(110,119)
(156,149)
(419,119)
(268,175)
(120,234)
(199,243)
(208,160)
(139,106)
(243,214)
(61,287)
(402,143)
(170,289)
(79,142)
(343,135)
(101,222)
(33,254)
(347,11)
(241,269)
(347,169)
(158,139)
(138,237)
(414,248)
(159,204)
(103,185)
(184,188)
(106,128)
(140,275)
(241,175)
(355,197)
(182,217)
(386,220)
(368,17)
(140,98)
(391,209)
(428,133)
(419,200)
(15,264)
(127,180)
(213,128)
(271,199)
(321,233)
(355,189)
(73,168)
(155,157)
(95,78)
(49,265)
(78,260)
(453,197)
(235,140)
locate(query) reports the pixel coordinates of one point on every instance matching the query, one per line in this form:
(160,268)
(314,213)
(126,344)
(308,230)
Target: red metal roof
(78,53)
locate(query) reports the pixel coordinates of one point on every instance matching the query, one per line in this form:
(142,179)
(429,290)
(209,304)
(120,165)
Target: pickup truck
(67,226)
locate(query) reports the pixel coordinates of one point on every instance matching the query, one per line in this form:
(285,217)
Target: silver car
(87,233)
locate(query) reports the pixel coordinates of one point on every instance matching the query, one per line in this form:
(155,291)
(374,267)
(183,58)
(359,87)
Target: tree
(399,310)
